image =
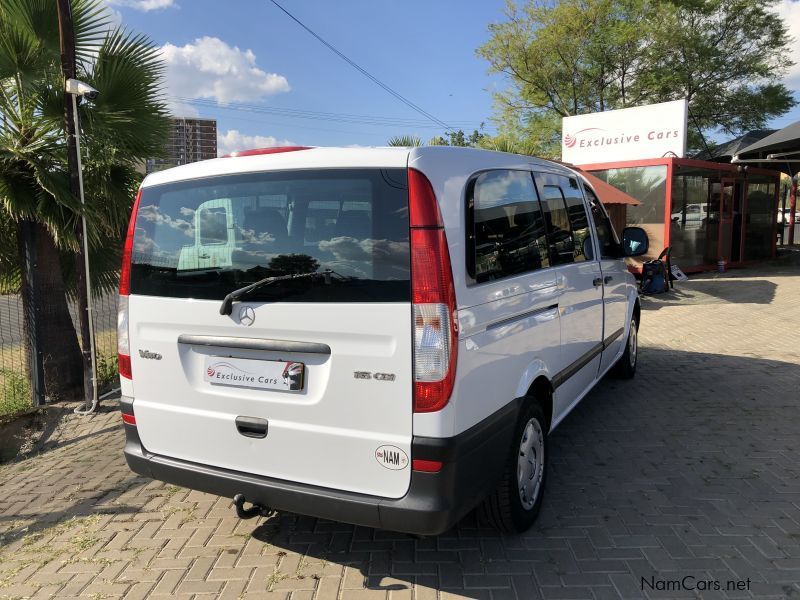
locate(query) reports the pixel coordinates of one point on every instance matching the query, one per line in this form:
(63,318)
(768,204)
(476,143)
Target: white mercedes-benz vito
(382,336)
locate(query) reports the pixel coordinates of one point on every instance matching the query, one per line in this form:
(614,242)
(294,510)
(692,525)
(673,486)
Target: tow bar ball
(255,510)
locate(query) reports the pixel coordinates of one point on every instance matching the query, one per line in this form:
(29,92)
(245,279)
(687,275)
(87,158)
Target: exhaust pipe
(255,510)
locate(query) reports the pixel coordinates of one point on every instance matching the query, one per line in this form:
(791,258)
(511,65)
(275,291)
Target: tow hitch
(255,510)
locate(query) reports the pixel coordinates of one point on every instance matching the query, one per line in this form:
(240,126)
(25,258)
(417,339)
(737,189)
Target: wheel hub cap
(633,344)
(530,464)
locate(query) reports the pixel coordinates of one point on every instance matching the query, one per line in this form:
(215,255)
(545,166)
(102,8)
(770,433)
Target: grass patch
(107,372)
(15,392)
(15,389)
(84,542)
(275,577)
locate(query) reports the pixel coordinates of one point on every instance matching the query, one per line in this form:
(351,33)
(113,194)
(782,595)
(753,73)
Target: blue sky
(251,53)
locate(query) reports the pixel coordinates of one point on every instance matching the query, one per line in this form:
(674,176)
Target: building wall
(190,140)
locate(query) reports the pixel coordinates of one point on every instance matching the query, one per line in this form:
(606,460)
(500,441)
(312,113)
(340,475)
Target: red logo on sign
(210,371)
(569,141)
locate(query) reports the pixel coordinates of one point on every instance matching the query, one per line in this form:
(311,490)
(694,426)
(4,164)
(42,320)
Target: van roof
(332,158)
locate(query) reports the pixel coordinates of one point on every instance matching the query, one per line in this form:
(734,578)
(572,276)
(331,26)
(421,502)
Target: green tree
(459,138)
(293,264)
(451,138)
(579,56)
(127,123)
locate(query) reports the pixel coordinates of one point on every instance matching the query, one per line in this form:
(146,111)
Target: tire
(505,508)
(626,365)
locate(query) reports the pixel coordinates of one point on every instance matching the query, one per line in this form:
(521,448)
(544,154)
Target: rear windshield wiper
(227,302)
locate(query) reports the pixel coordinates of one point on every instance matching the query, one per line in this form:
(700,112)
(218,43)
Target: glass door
(738,229)
(726,204)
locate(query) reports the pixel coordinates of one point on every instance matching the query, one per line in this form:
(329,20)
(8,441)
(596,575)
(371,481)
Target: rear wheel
(514,505)
(626,366)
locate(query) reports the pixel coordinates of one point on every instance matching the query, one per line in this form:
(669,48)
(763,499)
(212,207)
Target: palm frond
(130,114)
(405,140)
(91,21)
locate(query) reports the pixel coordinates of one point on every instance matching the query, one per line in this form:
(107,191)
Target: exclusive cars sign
(627,134)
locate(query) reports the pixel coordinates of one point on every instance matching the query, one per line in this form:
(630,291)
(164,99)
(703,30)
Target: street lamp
(77,88)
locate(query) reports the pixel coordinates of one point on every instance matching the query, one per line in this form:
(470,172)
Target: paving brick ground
(690,470)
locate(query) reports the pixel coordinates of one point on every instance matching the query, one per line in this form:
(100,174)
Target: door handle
(202,255)
(597,281)
(608,279)
(252,427)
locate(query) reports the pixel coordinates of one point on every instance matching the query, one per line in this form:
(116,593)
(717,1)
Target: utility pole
(67,40)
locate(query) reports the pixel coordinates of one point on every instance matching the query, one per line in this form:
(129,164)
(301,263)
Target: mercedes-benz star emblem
(247,316)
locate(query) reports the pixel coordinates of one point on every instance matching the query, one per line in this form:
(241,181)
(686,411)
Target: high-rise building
(190,140)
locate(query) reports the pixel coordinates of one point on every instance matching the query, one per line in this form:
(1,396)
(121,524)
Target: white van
(380,336)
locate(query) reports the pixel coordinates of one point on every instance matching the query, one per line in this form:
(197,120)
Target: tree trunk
(58,343)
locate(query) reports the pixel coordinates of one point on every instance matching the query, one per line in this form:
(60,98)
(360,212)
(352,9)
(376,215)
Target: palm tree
(405,140)
(127,123)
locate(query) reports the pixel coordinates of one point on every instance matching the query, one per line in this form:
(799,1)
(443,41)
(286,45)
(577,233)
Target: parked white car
(380,336)
(785,216)
(691,216)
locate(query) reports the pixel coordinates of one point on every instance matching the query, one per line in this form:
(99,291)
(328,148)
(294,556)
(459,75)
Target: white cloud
(789,11)
(210,68)
(144,5)
(233,140)
(114,16)
(181,109)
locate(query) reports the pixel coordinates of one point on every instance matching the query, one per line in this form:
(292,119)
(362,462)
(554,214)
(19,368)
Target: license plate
(261,374)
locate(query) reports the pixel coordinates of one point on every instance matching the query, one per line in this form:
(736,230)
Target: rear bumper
(472,463)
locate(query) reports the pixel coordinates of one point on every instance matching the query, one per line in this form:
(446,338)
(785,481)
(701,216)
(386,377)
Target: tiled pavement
(690,470)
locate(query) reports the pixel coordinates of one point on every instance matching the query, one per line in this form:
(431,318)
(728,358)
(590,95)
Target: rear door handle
(597,281)
(252,427)
(608,279)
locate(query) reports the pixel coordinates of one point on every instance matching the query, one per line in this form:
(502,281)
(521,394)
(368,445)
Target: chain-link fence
(15,390)
(15,386)
(105,337)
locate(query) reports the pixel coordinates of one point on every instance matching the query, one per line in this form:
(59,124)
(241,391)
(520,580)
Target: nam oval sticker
(391,457)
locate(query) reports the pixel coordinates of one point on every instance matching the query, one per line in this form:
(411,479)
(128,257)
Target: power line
(262,121)
(364,72)
(317,116)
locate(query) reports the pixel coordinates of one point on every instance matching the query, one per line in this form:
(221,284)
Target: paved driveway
(686,476)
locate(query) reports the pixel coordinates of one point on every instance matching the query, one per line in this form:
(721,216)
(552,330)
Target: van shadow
(713,291)
(697,445)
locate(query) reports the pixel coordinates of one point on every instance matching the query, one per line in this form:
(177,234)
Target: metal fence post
(32,319)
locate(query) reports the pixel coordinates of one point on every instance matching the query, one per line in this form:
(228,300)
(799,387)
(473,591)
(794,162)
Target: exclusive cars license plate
(262,374)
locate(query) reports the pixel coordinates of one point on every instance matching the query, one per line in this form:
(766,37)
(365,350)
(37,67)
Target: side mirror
(634,241)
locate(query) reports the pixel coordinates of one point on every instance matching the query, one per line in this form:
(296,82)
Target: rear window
(205,238)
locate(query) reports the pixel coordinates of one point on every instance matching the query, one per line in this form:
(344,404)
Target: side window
(213,224)
(505,227)
(607,238)
(558,227)
(567,221)
(579,220)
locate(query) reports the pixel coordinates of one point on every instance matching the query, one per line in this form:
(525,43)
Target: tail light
(433,299)
(123,341)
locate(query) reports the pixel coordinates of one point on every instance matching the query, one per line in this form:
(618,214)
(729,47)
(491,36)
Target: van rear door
(308,379)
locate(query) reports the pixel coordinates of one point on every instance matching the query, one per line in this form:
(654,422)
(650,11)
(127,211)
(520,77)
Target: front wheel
(626,366)
(514,505)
